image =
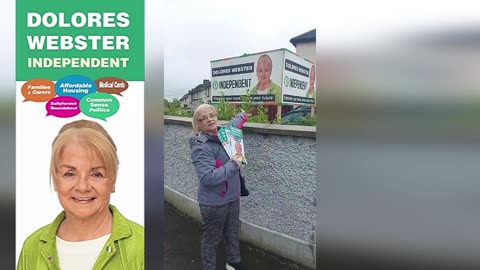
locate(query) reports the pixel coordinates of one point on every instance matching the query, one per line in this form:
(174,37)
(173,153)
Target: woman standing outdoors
(219,188)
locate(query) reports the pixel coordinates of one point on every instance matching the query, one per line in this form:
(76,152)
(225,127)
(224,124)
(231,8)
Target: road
(182,247)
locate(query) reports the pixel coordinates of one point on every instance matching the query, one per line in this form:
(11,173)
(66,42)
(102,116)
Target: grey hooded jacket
(218,174)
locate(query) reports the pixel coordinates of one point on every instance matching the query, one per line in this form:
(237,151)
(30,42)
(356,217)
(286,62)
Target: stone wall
(280,174)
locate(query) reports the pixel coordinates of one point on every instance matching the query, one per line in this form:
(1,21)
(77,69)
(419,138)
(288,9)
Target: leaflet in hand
(232,141)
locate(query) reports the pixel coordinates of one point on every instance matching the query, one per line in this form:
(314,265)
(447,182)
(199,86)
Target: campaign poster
(258,74)
(271,78)
(77,60)
(298,80)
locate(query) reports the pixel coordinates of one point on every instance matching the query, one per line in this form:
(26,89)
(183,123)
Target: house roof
(309,36)
(201,87)
(198,88)
(184,97)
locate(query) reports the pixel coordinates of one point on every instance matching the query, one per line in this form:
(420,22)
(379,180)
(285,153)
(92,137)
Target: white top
(79,255)
(262,92)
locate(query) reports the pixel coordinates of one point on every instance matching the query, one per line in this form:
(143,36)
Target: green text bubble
(99,105)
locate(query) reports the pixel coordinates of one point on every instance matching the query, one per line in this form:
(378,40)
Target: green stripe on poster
(95,39)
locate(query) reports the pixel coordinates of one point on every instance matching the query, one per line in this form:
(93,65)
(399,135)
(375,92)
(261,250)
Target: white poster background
(293,91)
(276,76)
(36,202)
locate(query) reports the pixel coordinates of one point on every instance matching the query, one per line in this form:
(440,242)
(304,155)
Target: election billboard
(272,78)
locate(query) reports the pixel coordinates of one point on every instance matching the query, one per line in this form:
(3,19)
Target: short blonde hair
(265,58)
(93,137)
(196,130)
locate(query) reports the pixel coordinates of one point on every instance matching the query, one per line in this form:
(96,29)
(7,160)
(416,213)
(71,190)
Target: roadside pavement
(182,247)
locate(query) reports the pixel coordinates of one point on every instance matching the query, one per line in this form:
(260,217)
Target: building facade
(305,45)
(196,96)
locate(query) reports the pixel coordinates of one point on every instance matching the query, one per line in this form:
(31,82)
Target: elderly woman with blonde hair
(219,187)
(265,85)
(90,233)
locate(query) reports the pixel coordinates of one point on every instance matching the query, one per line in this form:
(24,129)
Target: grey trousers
(218,221)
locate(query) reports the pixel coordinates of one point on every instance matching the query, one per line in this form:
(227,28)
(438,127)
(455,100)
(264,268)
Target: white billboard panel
(298,80)
(272,77)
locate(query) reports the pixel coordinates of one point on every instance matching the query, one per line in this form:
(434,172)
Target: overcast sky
(196,32)
(201,31)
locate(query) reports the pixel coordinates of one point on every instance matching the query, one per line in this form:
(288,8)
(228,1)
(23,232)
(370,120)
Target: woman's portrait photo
(90,232)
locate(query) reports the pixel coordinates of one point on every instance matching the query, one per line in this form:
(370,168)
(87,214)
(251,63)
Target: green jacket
(274,89)
(313,96)
(123,250)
